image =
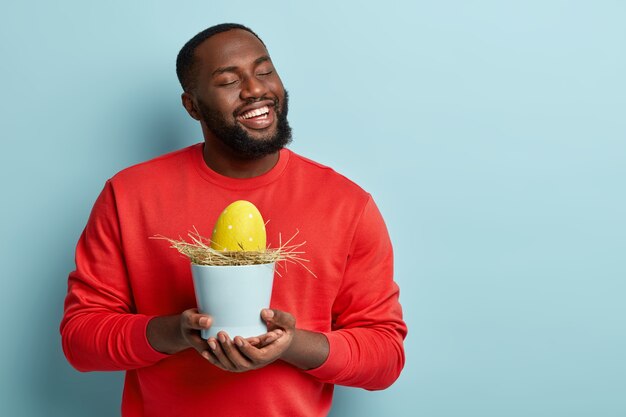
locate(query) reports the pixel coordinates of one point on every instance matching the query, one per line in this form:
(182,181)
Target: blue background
(492,134)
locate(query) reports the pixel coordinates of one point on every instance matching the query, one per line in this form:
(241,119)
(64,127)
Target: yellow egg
(240,227)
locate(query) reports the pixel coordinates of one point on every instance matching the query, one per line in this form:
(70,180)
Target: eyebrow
(233,68)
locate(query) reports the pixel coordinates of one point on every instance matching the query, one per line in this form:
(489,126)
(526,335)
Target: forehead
(234,47)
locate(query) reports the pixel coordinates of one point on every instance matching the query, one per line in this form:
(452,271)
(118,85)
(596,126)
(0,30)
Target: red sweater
(123,279)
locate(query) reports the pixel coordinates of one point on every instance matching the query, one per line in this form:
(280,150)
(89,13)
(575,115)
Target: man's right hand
(172,334)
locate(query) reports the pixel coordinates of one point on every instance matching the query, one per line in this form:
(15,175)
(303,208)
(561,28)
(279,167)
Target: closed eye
(265,73)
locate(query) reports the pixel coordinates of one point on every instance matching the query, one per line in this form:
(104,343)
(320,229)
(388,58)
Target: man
(130,302)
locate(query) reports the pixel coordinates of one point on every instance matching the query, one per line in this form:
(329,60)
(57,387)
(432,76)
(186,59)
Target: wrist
(308,350)
(165,335)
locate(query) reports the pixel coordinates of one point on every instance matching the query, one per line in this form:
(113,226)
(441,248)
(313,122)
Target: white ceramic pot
(234,296)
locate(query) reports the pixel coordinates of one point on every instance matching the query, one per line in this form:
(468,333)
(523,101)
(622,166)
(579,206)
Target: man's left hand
(240,355)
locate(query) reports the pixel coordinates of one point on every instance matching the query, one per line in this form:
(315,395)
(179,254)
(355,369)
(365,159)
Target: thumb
(278,319)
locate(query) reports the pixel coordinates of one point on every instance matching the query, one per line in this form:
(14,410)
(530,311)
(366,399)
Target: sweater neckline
(237,183)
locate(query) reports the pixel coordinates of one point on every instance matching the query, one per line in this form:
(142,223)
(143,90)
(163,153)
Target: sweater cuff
(142,347)
(337,360)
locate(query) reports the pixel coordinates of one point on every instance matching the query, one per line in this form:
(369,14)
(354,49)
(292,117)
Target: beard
(237,139)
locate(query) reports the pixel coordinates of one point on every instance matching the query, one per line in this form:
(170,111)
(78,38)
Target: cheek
(223,102)
(278,91)
(278,86)
(230,100)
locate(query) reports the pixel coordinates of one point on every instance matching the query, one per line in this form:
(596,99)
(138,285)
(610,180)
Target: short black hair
(185,61)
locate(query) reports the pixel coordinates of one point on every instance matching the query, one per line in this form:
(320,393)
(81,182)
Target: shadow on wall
(152,127)
(154,122)
(161,125)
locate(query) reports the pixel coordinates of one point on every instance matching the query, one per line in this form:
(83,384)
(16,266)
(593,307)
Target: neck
(224,161)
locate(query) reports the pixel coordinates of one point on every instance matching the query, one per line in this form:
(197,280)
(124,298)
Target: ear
(190,105)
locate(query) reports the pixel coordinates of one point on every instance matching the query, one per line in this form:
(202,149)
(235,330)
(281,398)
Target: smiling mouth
(258,119)
(260,113)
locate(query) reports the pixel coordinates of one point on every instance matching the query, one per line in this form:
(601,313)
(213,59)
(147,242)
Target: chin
(265,136)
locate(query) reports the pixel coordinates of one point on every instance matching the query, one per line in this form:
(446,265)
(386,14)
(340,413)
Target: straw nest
(200,252)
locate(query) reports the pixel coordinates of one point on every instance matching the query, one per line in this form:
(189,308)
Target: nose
(253,88)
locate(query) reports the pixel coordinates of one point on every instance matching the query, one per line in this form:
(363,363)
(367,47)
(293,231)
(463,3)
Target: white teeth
(255,112)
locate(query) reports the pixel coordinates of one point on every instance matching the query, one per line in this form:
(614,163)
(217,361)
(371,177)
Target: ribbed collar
(237,183)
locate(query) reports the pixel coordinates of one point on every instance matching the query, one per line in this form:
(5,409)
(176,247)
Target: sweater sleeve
(100,329)
(366,343)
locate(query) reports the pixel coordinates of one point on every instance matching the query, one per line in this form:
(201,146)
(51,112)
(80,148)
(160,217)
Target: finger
(278,319)
(262,338)
(260,356)
(253,340)
(273,336)
(267,338)
(267,314)
(252,353)
(191,323)
(210,356)
(231,351)
(204,321)
(220,357)
(259,341)
(192,319)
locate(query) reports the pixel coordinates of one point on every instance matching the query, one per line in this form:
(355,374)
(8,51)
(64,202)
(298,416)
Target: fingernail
(269,313)
(222,338)
(205,355)
(278,332)
(239,342)
(203,321)
(212,344)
